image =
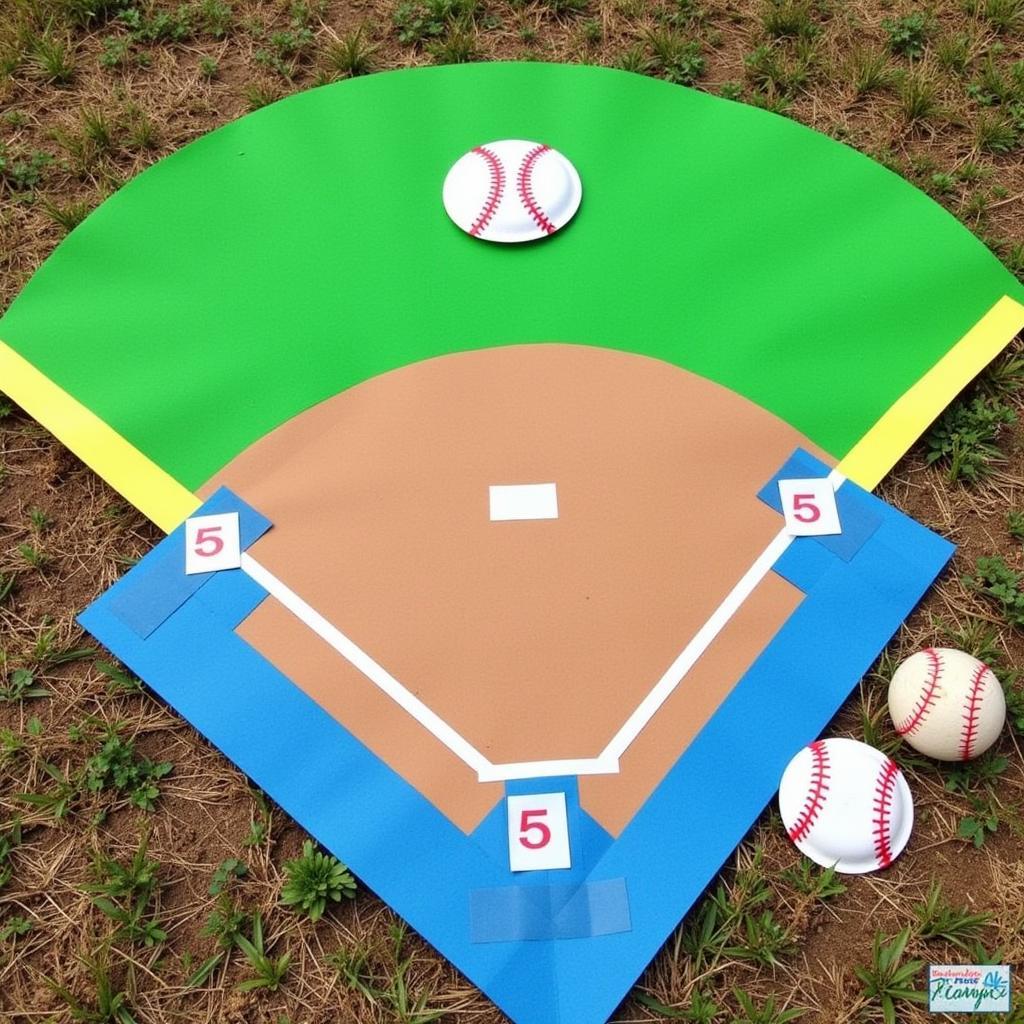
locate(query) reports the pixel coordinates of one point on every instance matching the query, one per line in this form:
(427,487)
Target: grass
(965,438)
(888,979)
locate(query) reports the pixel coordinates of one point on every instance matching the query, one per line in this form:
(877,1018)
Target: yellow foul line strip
(909,416)
(140,480)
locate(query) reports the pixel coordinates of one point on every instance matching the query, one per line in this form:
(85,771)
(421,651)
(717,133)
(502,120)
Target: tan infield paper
(533,639)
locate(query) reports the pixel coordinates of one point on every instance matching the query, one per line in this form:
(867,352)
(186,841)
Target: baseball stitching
(969,731)
(885,788)
(495,192)
(524,185)
(816,795)
(927,698)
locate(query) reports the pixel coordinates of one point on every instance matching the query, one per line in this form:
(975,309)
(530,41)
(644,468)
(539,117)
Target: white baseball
(846,804)
(947,704)
(512,191)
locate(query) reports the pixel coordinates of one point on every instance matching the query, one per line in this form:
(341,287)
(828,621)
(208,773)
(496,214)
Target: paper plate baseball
(947,704)
(512,191)
(846,804)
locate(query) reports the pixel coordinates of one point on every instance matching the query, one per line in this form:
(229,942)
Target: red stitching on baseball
(497,189)
(885,787)
(927,699)
(524,185)
(969,730)
(816,796)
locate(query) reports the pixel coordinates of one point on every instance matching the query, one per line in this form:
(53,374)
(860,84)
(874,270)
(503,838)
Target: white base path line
(608,760)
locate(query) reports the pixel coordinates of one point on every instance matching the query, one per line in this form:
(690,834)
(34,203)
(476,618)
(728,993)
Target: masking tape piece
(158,587)
(522,913)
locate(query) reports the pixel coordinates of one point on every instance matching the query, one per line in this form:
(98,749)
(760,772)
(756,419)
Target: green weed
(977,827)
(52,59)
(953,52)
(818,883)
(418,22)
(936,919)
(125,892)
(57,802)
(1004,15)
(208,68)
(964,438)
(996,133)
(350,56)
(634,58)
(21,685)
(919,96)
(23,173)
(225,872)
(116,766)
(269,973)
(119,681)
(1002,585)
(769,1013)
(459,46)
(870,71)
(34,556)
(215,17)
(1015,524)
(779,73)
(887,979)
(313,879)
(115,52)
(789,19)
(386,981)
(907,35)
(702,1009)
(14,928)
(108,1006)
(10,839)
(675,58)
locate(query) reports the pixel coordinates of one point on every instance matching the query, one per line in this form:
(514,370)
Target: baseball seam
(524,185)
(495,191)
(928,696)
(820,777)
(885,788)
(969,730)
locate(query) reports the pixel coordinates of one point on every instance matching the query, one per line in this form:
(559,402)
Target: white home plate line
(607,762)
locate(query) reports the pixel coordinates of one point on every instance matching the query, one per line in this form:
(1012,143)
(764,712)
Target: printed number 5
(803,503)
(205,536)
(525,825)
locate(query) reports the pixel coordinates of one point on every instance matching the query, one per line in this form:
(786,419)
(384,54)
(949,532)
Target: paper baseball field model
(522,629)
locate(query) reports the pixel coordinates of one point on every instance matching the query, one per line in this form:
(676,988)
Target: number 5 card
(538,832)
(212,543)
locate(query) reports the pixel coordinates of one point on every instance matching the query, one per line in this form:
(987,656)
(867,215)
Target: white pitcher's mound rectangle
(523,501)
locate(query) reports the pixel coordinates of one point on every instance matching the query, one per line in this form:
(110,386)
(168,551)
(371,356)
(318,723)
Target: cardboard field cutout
(522,631)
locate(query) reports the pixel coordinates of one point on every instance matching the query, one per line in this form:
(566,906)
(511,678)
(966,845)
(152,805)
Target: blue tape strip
(158,586)
(518,913)
(858,519)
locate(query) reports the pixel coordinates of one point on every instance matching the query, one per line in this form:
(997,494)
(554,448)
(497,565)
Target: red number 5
(204,536)
(803,503)
(525,825)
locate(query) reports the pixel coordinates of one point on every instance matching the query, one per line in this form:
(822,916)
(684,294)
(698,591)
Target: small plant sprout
(21,685)
(269,973)
(887,980)
(907,35)
(936,919)
(351,55)
(225,872)
(769,1013)
(313,879)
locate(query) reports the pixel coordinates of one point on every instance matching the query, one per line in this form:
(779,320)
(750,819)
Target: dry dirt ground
(91,92)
